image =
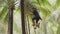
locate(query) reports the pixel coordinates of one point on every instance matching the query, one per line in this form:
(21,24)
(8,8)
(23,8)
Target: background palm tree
(23,16)
(10,16)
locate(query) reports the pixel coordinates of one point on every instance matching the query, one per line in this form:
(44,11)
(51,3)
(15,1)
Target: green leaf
(46,3)
(45,11)
(58,30)
(6,18)
(3,12)
(57,3)
(38,1)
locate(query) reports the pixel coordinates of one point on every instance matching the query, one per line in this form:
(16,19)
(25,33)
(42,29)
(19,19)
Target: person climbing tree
(35,17)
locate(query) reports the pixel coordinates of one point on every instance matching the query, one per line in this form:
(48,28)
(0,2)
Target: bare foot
(37,25)
(34,27)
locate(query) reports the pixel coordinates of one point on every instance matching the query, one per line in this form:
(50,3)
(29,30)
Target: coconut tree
(10,14)
(23,16)
(9,5)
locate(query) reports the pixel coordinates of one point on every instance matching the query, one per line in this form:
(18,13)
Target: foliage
(49,24)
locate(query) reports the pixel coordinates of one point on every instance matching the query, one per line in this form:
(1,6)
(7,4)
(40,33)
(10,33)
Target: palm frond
(45,11)
(3,12)
(44,2)
(57,3)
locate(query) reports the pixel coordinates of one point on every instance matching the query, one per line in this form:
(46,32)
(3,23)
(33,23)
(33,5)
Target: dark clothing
(36,16)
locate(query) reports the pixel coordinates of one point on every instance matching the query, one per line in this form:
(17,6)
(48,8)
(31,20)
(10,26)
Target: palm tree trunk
(10,24)
(45,30)
(28,24)
(22,17)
